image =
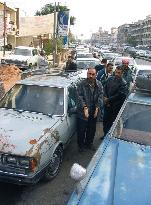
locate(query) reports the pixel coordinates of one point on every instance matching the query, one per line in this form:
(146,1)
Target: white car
(23,57)
(84,63)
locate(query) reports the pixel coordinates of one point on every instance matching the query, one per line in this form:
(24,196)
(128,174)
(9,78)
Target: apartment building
(11,24)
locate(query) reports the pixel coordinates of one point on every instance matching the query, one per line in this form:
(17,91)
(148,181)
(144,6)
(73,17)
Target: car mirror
(77,172)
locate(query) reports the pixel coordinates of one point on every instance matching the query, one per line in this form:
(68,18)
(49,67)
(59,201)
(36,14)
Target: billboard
(62,24)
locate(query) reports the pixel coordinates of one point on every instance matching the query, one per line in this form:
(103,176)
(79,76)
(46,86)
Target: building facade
(10,25)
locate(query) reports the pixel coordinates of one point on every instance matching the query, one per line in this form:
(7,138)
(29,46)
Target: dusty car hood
(19,131)
(122,177)
(18,57)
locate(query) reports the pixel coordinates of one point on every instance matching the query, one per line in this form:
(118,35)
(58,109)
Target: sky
(92,14)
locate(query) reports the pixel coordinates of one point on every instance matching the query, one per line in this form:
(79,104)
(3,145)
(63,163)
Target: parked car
(38,120)
(119,172)
(84,63)
(109,56)
(84,55)
(23,57)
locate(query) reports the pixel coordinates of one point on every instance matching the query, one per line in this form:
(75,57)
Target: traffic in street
(57,191)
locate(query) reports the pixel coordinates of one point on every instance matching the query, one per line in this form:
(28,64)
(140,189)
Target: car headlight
(2,60)
(29,163)
(24,162)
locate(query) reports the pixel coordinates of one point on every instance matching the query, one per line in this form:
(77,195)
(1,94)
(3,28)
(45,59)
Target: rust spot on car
(33,141)
(5,145)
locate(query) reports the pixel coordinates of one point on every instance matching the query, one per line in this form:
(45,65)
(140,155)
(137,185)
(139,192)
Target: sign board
(63,21)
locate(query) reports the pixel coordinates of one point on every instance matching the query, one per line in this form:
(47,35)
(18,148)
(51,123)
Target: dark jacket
(116,91)
(99,67)
(85,97)
(71,66)
(128,76)
(102,76)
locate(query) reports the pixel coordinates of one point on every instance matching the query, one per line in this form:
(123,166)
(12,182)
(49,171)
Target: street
(57,191)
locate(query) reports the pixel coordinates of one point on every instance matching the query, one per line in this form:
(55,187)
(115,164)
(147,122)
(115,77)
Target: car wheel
(55,164)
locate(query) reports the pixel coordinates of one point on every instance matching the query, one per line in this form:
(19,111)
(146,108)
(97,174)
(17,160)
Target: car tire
(55,164)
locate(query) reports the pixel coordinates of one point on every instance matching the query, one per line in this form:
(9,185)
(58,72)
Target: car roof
(124,57)
(87,59)
(140,98)
(144,67)
(51,81)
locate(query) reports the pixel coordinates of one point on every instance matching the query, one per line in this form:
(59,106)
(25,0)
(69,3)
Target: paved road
(57,191)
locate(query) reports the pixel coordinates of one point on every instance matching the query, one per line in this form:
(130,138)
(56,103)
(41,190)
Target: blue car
(120,171)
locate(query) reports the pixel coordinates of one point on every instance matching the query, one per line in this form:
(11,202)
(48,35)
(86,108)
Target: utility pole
(54,37)
(4,34)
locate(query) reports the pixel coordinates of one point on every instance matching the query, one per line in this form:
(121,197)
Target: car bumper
(19,179)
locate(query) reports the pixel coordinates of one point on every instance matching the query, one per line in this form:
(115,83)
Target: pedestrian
(103,74)
(127,73)
(102,65)
(89,102)
(115,93)
(70,65)
(42,63)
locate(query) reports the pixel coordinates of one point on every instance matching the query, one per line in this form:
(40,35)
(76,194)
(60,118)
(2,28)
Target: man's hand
(96,112)
(86,112)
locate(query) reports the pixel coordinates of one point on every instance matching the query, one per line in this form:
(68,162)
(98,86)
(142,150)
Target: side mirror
(77,172)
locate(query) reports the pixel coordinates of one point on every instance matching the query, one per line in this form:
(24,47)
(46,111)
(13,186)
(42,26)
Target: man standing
(102,65)
(70,65)
(115,92)
(127,73)
(103,74)
(89,102)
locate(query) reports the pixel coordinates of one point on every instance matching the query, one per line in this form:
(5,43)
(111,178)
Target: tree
(49,8)
(48,47)
(132,41)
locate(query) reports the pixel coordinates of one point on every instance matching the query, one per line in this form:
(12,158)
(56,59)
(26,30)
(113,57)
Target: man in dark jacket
(103,74)
(115,92)
(71,66)
(102,65)
(89,103)
(127,73)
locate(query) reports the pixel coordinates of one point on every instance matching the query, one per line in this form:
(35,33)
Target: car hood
(20,131)
(121,176)
(17,57)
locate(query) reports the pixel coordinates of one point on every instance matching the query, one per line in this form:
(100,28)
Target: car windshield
(118,61)
(23,52)
(86,64)
(34,98)
(134,124)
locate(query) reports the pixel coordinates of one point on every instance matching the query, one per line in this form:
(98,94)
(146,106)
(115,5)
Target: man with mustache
(89,104)
(115,93)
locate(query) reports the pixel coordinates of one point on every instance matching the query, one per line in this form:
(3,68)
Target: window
(134,124)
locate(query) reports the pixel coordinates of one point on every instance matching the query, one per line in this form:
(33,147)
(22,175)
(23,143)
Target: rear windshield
(134,124)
